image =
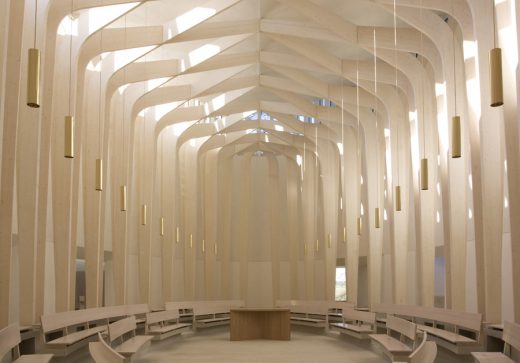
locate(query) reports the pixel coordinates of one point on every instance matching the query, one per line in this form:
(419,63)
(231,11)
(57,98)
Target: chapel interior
(259,181)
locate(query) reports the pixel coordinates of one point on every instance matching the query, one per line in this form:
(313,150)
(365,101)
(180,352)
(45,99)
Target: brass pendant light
(215,248)
(33,78)
(359,225)
(203,246)
(162,226)
(317,245)
(424,174)
(144,217)
(177,235)
(99,175)
(377,218)
(398,198)
(495,65)
(330,240)
(344,235)
(191,240)
(69,137)
(305,249)
(123,198)
(456,146)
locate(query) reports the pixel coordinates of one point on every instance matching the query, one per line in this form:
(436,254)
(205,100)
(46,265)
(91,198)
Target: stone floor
(213,345)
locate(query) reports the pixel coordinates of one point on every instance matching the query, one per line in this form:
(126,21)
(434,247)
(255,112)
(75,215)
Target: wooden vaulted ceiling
(226,59)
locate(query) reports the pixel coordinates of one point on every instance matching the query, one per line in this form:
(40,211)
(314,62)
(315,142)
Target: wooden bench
(9,343)
(186,308)
(101,352)
(511,337)
(336,309)
(206,316)
(68,331)
(426,352)
(164,324)
(359,324)
(397,349)
(309,315)
(118,333)
(457,331)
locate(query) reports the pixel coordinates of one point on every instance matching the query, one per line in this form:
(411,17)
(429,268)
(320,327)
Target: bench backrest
(364,316)
(120,327)
(470,321)
(425,353)
(160,316)
(511,334)
(210,309)
(401,326)
(57,321)
(9,339)
(312,309)
(102,353)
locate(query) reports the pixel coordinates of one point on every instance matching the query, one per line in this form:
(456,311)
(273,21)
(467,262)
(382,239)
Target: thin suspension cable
(100,76)
(123,167)
(422,86)
(375,114)
(396,89)
(70,57)
(494,25)
(358,144)
(454,66)
(35,21)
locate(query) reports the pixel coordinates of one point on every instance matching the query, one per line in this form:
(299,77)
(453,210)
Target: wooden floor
(213,345)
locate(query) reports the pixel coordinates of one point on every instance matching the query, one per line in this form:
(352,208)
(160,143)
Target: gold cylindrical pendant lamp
(344,234)
(144,218)
(203,246)
(177,236)
(191,240)
(215,248)
(377,218)
(123,198)
(495,64)
(359,225)
(33,78)
(99,175)
(69,137)
(329,240)
(456,142)
(317,245)
(424,174)
(305,249)
(398,198)
(162,226)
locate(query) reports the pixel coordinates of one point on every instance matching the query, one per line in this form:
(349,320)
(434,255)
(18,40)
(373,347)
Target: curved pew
(397,349)
(68,331)
(359,324)
(164,324)
(444,326)
(127,347)
(101,352)
(511,337)
(9,342)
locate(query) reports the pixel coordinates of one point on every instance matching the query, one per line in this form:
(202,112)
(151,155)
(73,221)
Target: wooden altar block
(247,324)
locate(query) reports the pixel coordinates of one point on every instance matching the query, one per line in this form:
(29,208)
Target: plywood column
(309,222)
(224,220)
(351,201)
(245,176)
(294,175)
(210,225)
(276,239)
(10,112)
